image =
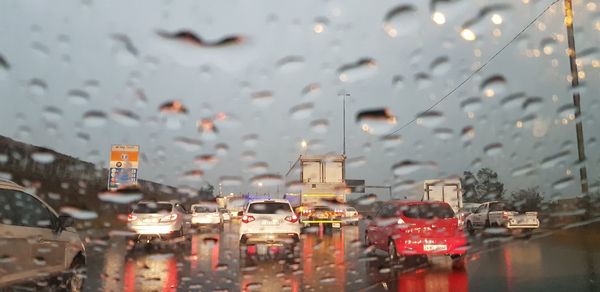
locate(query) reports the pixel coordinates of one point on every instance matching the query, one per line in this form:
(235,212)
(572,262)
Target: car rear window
(204,209)
(501,207)
(152,208)
(428,211)
(269,208)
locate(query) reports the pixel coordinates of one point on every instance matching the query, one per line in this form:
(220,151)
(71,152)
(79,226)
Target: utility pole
(344,121)
(576,95)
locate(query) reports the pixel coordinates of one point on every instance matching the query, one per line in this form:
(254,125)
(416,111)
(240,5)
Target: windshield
(204,209)
(332,113)
(269,208)
(428,211)
(152,208)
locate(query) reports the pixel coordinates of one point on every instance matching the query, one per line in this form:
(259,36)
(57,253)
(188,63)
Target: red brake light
(292,218)
(131,217)
(247,219)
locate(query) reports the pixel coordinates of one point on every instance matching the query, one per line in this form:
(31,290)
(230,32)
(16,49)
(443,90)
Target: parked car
(206,215)
(498,214)
(163,220)
(406,229)
(36,242)
(225,215)
(351,216)
(269,221)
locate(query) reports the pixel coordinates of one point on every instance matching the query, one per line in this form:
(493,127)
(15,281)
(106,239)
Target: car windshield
(204,209)
(427,211)
(152,208)
(269,208)
(331,112)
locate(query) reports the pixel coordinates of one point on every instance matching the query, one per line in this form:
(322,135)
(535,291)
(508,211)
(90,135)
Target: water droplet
(51,113)
(78,97)
(125,118)
(190,38)
(493,149)
(513,101)
(207,128)
(443,133)
(423,80)
(311,91)
(39,261)
(526,169)
(471,104)
(262,99)
(494,86)
(356,161)
(398,81)
(562,183)
(193,175)
(548,46)
(173,107)
(409,166)
(43,157)
(290,64)
(37,87)
(4,67)
(206,161)
(267,180)
(258,167)
(360,70)
(120,198)
(376,121)
(391,141)
(188,144)
(440,66)
(301,111)
(79,214)
(430,119)
(94,119)
(250,140)
(228,181)
(248,155)
(319,126)
(555,160)
(221,149)
(566,111)
(401,20)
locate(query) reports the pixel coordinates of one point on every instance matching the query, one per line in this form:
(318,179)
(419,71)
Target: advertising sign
(123,166)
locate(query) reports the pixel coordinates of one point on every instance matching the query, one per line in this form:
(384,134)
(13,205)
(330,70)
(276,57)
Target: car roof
(269,200)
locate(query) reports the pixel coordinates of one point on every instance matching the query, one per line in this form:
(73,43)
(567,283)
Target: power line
(476,71)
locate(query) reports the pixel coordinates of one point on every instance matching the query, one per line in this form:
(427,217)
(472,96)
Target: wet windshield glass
(204,209)
(269,208)
(151,208)
(427,211)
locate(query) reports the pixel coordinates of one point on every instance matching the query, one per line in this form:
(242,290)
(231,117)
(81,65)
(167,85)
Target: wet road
(566,260)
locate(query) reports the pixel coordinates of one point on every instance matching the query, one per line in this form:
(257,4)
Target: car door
(373,228)
(15,250)
(186,217)
(32,235)
(480,215)
(383,222)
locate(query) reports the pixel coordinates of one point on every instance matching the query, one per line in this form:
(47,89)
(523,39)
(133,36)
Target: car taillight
(168,218)
(504,215)
(131,217)
(292,218)
(247,219)
(400,221)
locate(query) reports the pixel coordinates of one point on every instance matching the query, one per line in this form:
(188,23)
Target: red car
(414,228)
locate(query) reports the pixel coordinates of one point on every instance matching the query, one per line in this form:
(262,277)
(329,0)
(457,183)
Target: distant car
(163,220)
(466,210)
(206,215)
(406,229)
(37,243)
(225,214)
(351,216)
(498,214)
(269,221)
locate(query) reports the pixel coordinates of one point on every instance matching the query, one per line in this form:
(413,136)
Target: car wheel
(75,281)
(459,262)
(392,253)
(470,228)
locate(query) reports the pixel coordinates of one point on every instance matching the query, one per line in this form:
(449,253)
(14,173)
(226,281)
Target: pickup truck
(500,215)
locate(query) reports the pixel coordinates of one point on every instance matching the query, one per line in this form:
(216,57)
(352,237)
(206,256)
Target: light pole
(576,95)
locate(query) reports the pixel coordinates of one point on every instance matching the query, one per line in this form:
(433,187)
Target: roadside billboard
(123,166)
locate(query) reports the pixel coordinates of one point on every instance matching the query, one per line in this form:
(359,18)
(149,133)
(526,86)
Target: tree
(206,192)
(527,200)
(482,187)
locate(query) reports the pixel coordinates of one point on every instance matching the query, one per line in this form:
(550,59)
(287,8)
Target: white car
(206,215)
(225,215)
(351,216)
(269,221)
(497,214)
(37,243)
(164,220)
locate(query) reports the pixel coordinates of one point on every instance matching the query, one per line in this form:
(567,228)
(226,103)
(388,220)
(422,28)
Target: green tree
(206,192)
(482,187)
(527,200)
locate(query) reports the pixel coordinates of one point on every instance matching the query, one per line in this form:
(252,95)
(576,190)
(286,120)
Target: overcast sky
(256,80)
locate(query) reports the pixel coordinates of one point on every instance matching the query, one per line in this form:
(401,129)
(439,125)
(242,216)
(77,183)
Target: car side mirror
(65,221)
(240,213)
(369,217)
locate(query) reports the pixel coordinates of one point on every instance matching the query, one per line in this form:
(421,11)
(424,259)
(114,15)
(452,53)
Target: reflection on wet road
(212,260)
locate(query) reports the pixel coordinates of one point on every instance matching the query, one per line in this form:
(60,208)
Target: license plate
(149,220)
(335,225)
(434,247)
(269,222)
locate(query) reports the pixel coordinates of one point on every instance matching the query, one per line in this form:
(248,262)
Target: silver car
(164,220)
(35,242)
(206,215)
